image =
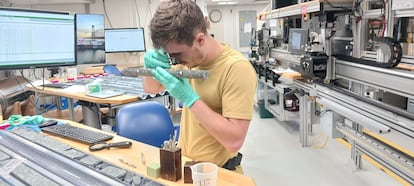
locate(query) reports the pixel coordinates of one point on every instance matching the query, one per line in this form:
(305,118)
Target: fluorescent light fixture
(227,3)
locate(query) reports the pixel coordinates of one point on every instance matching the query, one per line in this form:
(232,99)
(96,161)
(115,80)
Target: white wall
(227,29)
(125,13)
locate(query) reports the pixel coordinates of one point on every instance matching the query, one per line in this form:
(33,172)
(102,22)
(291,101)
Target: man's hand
(178,88)
(156,58)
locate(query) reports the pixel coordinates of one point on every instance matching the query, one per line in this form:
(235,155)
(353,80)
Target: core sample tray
(30,158)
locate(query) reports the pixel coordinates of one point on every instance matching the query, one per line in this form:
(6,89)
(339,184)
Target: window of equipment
(124,40)
(34,38)
(298,38)
(90,44)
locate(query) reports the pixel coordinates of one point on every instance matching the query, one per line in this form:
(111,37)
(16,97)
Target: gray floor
(274,156)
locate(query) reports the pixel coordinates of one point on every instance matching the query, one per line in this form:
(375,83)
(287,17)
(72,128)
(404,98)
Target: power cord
(322,144)
(29,82)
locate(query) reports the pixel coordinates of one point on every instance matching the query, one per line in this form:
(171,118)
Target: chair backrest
(112,69)
(148,122)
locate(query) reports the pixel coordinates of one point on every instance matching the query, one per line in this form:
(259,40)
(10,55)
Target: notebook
(105,94)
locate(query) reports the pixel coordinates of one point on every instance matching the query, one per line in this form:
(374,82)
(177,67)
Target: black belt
(232,163)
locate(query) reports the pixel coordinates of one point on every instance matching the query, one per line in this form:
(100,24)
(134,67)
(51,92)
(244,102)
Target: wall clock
(215,16)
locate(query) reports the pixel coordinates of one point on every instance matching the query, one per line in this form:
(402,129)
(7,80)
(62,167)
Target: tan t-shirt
(229,91)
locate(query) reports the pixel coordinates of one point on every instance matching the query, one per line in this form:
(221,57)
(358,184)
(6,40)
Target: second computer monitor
(124,40)
(298,38)
(90,45)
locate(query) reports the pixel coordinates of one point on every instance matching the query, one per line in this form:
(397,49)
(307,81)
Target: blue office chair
(112,69)
(148,122)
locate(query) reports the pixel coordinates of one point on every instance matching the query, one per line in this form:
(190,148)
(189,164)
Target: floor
(274,156)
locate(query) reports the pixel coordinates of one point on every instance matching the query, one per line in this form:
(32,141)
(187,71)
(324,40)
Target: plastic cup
(204,174)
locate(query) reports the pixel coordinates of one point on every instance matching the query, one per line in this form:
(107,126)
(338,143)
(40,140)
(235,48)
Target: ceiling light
(227,3)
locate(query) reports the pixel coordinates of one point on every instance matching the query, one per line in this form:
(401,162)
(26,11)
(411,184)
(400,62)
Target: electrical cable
(134,17)
(137,12)
(331,34)
(356,9)
(28,81)
(317,137)
(40,109)
(320,135)
(383,19)
(149,8)
(47,114)
(106,14)
(110,24)
(323,112)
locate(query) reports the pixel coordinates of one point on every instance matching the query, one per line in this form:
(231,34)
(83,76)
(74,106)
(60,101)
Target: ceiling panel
(34,2)
(216,2)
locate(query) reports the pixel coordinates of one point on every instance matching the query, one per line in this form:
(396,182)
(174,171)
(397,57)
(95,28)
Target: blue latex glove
(156,58)
(178,88)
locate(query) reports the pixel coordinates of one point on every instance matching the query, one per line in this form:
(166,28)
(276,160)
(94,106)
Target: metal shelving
(305,7)
(276,94)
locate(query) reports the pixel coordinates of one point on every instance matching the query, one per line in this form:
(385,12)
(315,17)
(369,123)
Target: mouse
(47,123)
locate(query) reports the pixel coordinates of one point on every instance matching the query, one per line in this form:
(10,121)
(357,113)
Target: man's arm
(154,58)
(230,132)
(151,85)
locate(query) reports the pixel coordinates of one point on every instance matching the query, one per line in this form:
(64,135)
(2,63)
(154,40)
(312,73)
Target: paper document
(282,71)
(73,89)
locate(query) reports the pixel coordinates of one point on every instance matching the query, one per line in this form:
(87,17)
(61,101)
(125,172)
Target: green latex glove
(156,58)
(178,88)
(25,120)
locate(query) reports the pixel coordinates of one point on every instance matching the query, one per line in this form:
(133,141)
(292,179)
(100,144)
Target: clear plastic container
(204,174)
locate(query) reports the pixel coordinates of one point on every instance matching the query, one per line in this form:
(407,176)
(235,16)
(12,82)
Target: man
(217,110)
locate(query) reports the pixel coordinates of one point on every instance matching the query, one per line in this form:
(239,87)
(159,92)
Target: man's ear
(200,39)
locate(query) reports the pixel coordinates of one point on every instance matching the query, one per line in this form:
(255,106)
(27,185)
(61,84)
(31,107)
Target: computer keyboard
(77,134)
(57,85)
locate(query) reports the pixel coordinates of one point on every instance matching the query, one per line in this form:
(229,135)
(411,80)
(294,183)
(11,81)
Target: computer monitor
(124,40)
(298,38)
(282,3)
(36,38)
(90,45)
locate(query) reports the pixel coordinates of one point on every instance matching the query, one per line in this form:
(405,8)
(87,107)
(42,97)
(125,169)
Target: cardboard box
(410,49)
(404,47)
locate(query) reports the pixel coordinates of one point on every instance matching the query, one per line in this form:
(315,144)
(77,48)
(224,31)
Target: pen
(127,163)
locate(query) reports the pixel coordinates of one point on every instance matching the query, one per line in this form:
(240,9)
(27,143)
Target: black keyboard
(57,85)
(77,134)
